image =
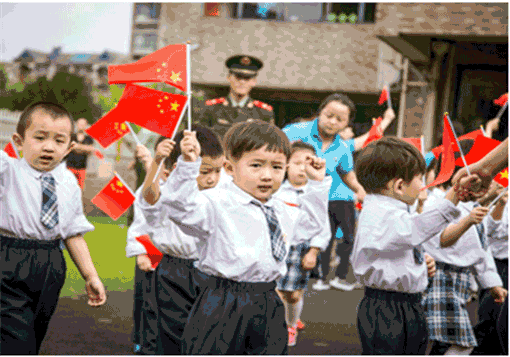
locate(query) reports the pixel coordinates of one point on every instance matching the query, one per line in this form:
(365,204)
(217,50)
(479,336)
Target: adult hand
(471,187)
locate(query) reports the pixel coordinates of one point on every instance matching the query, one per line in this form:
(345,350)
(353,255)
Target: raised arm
(389,116)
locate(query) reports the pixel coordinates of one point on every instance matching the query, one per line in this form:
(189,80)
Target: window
(145,43)
(350,13)
(147,13)
(261,11)
(304,12)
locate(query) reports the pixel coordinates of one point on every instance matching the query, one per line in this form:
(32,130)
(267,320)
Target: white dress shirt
(21,202)
(467,251)
(383,256)
(290,195)
(235,231)
(498,235)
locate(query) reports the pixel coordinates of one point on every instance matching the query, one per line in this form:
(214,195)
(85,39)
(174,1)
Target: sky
(77,27)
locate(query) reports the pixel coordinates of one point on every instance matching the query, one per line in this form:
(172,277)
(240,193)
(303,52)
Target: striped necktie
(277,242)
(49,209)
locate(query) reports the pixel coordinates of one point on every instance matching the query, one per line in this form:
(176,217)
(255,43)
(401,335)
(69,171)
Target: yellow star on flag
(504,174)
(175,106)
(175,77)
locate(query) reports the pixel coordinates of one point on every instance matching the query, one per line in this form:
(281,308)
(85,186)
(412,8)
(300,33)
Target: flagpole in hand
(502,110)
(188,79)
(389,96)
(172,138)
(497,198)
(458,144)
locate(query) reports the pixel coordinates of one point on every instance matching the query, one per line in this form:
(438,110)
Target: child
(302,257)
(446,297)
(41,204)
(177,280)
(387,256)
(246,235)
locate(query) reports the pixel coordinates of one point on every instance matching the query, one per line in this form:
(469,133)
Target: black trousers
(341,215)
(145,317)
(488,313)
(178,286)
(391,323)
(236,318)
(33,274)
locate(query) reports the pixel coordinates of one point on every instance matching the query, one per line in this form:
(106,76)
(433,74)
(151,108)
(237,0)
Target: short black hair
(168,163)
(300,145)
(249,136)
(341,98)
(386,159)
(55,111)
(210,144)
(465,145)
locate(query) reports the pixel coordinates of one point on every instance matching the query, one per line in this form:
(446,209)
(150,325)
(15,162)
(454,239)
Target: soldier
(221,113)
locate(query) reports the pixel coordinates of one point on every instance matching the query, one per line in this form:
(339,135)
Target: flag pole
(389,96)
(458,143)
(483,131)
(502,110)
(132,132)
(173,136)
(497,198)
(188,80)
(121,180)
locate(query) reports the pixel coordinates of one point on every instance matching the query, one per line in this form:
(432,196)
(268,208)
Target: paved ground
(77,329)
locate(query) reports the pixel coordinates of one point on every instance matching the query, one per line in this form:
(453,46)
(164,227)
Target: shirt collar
(243,197)
(239,104)
(383,200)
(286,185)
(57,172)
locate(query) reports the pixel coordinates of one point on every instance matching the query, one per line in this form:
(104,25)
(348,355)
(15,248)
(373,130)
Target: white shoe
(320,285)
(340,284)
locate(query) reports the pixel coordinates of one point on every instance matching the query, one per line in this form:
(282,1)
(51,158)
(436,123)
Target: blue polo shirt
(338,156)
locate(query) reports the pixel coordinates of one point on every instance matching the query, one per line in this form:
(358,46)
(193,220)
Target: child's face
(210,172)
(259,172)
(411,190)
(46,142)
(296,169)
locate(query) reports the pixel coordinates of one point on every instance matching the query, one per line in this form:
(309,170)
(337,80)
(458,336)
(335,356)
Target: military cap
(244,65)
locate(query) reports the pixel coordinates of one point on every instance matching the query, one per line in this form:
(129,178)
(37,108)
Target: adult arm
(351,181)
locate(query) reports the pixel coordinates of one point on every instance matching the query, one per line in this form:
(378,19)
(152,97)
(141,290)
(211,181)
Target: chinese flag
(108,129)
(384,96)
(501,100)
(115,198)
(481,147)
(166,65)
(416,142)
(375,132)
(99,154)
(472,135)
(448,160)
(502,178)
(11,150)
(153,253)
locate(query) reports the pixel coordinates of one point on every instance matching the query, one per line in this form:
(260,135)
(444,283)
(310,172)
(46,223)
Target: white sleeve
(138,228)
(185,205)
(79,224)
(486,271)
(5,163)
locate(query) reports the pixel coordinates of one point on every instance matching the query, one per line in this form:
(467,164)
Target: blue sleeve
(350,145)
(345,164)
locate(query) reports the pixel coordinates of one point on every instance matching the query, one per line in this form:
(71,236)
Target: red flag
(472,135)
(166,65)
(481,147)
(115,198)
(152,109)
(11,150)
(152,252)
(108,129)
(502,178)
(384,96)
(99,154)
(501,100)
(359,206)
(375,132)
(448,159)
(416,142)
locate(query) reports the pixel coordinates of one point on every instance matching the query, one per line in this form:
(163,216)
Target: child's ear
(17,140)
(229,168)
(70,148)
(398,186)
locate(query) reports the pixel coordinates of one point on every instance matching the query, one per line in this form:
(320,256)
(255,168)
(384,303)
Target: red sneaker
(300,325)
(292,336)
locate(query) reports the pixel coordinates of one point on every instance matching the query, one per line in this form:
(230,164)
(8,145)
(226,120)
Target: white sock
(293,314)
(287,312)
(459,350)
(299,308)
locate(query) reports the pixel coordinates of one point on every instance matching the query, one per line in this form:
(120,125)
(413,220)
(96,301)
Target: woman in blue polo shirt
(334,115)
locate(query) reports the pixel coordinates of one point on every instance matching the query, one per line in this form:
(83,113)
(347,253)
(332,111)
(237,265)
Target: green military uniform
(221,113)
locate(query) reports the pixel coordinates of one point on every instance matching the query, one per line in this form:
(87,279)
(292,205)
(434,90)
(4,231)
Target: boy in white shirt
(177,281)
(387,256)
(302,257)
(41,204)
(246,235)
